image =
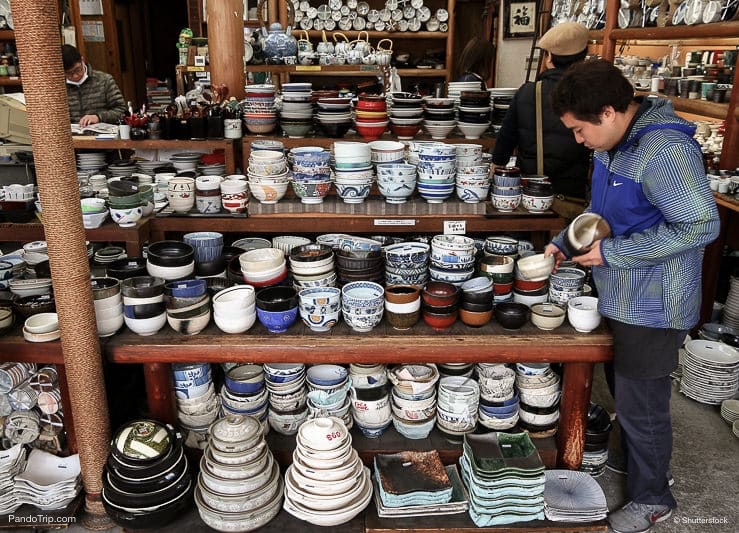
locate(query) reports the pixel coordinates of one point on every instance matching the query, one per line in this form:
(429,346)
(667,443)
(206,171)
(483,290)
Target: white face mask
(82,79)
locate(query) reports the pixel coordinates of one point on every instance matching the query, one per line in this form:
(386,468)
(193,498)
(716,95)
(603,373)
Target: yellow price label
(307,68)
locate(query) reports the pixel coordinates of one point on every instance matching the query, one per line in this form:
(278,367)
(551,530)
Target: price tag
(368,68)
(455,227)
(196,68)
(307,68)
(395,222)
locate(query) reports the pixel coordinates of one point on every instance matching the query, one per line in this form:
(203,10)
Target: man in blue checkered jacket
(649,183)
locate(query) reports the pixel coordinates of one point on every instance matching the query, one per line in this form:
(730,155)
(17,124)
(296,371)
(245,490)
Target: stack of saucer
(122,168)
(90,162)
(326,484)
(539,389)
(730,410)
(197,403)
(239,486)
(185,160)
(710,371)
(48,482)
(12,462)
(456,410)
(504,475)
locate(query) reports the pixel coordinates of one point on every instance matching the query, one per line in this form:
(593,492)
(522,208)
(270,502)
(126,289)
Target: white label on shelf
(455,227)
(395,222)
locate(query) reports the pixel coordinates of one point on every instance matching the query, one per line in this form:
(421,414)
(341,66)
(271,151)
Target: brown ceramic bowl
(440,293)
(475,318)
(402,294)
(440,321)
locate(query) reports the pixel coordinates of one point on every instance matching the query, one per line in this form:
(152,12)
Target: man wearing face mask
(93,96)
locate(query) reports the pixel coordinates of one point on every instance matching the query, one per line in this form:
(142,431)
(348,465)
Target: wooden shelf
(10,81)
(7,35)
(695,107)
(683,32)
(395,35)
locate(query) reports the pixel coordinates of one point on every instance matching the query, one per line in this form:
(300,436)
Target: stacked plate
(12,462)
(326,484)
(239,486)
(90,162)
(412,478)
(457,403)
(48,482)
(334,116)
(185,160)
(571,496)
(710,371)
(122,168)
(539,390)
(730,410)
(147,166)
(212,169)
(505,478)
(730,316)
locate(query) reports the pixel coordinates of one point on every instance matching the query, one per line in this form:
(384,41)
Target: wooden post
(226,45)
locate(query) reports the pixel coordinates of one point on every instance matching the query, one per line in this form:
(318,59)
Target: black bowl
(138,498)
(535,428)
(439,116)
(598,438)
(309,253)
(511,315)
(142,311)
(277,298)
(599,421)
(538,189)
(477,307)
(31,305)
(142,287)
(210,268)
(149,519)
(231,251)
(170,253)
(335,129)
(217,284)
(122,188)
(358,260)
(595,447)
(165,169)
(474,116)
(481,297)
(536,292)
(187,174)
(125,268)
(730,338)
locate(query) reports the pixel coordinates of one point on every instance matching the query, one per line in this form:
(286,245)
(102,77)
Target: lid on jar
(236,428)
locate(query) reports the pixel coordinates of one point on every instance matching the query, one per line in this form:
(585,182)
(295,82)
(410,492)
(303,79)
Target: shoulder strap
(539,132)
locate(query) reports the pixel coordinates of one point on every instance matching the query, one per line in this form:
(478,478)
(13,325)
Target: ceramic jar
(208,194)
(181,194)
(235,196)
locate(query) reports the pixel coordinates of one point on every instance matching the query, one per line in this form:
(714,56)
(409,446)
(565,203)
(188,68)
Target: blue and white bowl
(472,194)
(362,294)
(363,323)
(406,255)
(353,193)
(327,375)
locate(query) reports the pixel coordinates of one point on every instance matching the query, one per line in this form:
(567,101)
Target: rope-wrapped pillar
(39,51)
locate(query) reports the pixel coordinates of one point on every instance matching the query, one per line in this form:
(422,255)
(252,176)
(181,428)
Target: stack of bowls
(367,375)
(185,161)
(537,196)
(170,260)
(476,308)
(188,305)
(358,265)
(413,399)
(320,307)
(406,263)
(207,246)
(263,267)
(311,178)
(597,433)
(41,327)
(370,116)
(499,269)
(437,169)
(181,194)
(326,484)
(239,486)
(362,305)
(197,402)
(539,391)
(124,202)
(277,308)
(473,113)
(402,306)
(244,391)
(473,176)
(452,258)
(352,160)
(582,313)
(457,404)
(500,101)
(439,117)
(440,304)
(312,263)
(498,399)
(143,304)
(146,481)
(287,393)
(566,283)
(259,108)
(370,408)
(268,175)
(106,296)
(506,194)
(396,181)
(406,115)
(234,309)
(296,112)
(334,116)
(532,279)
(94,212)
(287,242)
(353,186)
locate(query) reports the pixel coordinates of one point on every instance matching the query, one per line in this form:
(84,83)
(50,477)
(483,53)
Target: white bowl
(146,326)
(42,323)
(236,298)
(170,273)
(262,260)
(108,326)
(582,312)
(547,316)
(472,130)
(235,322)
(534,267)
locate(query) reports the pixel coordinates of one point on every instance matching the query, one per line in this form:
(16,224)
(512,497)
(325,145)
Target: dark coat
(98,95)
(565,161)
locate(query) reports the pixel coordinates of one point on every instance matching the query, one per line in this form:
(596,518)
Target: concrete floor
(704,465)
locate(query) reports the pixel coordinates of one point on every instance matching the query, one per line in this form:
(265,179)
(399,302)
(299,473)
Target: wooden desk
(491,343)
(13,347)
(134,238)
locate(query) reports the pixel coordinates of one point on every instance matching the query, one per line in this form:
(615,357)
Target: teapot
(341,48)
(278,43)
(325,46)
(304,44)
(369,58)
(384,55)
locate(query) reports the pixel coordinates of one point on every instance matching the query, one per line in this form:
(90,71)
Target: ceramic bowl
(439,293)
(547,316)
(261,259)
(170,253)
(511,315)
(582,312)
(584,230)
(42,323)
(534,267)
(127,267)
(325,433)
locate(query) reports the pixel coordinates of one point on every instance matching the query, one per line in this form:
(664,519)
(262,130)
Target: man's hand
(556,252)
(88,120)
(592,257)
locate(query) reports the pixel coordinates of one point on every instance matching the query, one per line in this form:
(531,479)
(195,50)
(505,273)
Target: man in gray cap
(565,161)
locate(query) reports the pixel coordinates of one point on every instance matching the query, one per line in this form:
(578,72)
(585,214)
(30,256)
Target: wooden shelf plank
(7,35)
(695,107)
(10,81)
(396,35)
(682,32)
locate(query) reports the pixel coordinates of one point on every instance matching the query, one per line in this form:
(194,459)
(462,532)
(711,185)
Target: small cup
(124,132)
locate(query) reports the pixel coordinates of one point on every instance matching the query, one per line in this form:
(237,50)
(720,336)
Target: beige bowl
(584,230)
(547,316)
(534,267)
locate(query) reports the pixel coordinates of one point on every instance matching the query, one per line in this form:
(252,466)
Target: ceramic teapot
(304,44)
(341,48)
(278,43)
(369,58)
(325,46)
(383,54)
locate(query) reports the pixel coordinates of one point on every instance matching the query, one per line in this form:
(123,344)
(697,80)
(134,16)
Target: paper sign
(455,227)
(395,222)
(92,31)
(91,7)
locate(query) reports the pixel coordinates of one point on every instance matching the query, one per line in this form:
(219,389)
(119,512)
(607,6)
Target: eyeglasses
(75,71)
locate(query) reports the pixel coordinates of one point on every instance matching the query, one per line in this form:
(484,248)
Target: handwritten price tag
(455,227)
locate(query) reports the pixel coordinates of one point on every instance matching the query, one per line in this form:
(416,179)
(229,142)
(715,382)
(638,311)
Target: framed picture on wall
(520,19)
